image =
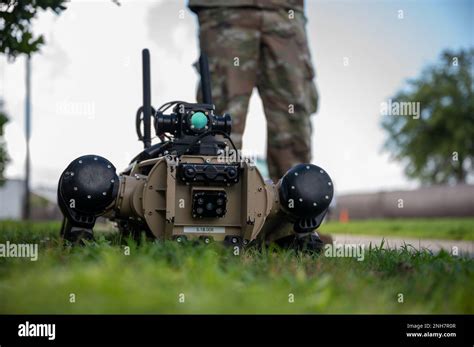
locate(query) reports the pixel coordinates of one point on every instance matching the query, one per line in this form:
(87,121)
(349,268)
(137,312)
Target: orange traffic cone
(344,215)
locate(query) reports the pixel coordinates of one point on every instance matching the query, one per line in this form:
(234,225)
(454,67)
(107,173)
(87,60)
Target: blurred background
(369,55)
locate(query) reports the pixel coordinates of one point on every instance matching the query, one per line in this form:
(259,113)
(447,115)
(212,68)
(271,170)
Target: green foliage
(433,228)
(3,151)
(15,25)
(149,280)
(438,147)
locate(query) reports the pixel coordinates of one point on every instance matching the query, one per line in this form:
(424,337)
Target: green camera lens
(198,120)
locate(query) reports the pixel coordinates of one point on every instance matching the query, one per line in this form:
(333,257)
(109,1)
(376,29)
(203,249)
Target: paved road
(463,247)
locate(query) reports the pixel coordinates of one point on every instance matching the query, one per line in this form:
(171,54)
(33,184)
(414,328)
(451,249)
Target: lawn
(173,278)
(434,228)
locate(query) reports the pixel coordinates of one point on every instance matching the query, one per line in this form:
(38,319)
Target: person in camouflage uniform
(263,44)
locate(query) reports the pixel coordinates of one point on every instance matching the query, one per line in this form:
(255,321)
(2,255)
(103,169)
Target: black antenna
(146,98)
(205,79)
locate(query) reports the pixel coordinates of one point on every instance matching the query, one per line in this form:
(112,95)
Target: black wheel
(75,235)
(310,242)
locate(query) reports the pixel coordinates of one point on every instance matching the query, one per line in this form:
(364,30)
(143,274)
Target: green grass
(434,228)
(213,280)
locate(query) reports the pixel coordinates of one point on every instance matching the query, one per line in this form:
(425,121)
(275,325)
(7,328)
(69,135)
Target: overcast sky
(86,83)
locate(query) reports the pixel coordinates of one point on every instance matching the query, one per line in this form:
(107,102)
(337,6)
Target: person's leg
(231,39)
(285,84)
(287,90)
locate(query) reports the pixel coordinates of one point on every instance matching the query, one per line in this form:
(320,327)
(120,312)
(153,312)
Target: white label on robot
(203,229)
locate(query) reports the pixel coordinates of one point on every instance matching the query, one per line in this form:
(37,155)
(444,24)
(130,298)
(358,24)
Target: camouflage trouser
(267,49)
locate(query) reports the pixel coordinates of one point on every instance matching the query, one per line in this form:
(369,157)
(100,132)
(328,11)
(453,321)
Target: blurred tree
(16,36)
(3,151)
(438,147)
